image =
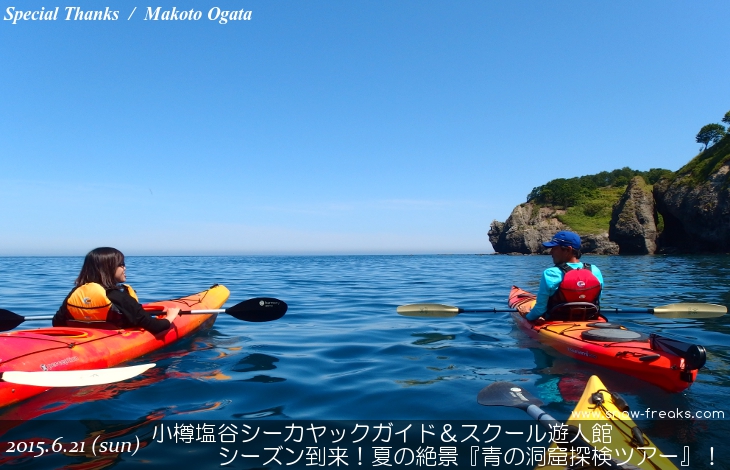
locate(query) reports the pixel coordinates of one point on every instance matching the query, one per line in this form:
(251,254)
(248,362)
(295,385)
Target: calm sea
(342,353)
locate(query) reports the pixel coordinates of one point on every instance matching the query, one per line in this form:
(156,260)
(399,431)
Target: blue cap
(565,238)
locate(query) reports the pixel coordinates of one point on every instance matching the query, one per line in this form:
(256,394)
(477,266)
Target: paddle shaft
(488,310)
(601,310)
(547,421)
(679,310)
(158,311)
(153,312)
(258,309)
(435,309)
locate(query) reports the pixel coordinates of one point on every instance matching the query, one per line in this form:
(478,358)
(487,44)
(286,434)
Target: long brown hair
(99,266)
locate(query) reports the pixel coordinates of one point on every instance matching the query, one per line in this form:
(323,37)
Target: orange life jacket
(89,303)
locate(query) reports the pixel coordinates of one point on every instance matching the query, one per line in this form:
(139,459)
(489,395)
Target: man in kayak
(569,281)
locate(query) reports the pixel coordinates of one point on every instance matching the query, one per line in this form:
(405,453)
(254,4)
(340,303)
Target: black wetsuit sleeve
(62,315)
(59,319)
(134,314)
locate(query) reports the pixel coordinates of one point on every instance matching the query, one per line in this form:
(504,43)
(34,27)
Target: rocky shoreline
(679,215)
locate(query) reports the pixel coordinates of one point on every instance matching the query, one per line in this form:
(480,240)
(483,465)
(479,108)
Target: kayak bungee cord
(51,339)
(636,436)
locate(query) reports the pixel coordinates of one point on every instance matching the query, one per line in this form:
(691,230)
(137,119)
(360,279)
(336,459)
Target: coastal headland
(627,211)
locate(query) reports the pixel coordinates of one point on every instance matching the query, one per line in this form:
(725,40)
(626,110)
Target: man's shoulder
(558,270)
(593,266)
(581,264)
(553,272)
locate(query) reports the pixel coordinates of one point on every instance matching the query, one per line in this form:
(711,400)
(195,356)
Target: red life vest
(579,285)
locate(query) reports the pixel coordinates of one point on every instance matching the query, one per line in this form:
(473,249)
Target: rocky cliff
(633,224)
(695,204)
(530,225)
(525,229)
(688,211)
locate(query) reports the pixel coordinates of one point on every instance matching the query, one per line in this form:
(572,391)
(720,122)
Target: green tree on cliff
(726,119)
(655,174)
(563,192)
(568,192)
(711,134)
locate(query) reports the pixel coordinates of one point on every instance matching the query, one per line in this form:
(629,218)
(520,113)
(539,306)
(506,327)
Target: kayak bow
(620,444)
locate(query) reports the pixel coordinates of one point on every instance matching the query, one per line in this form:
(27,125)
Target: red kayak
(65,348)
(668,363)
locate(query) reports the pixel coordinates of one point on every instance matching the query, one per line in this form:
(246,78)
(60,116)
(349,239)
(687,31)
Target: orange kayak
(653,358)
(66,348)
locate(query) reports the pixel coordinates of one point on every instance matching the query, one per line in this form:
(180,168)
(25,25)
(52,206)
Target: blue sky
(336,126)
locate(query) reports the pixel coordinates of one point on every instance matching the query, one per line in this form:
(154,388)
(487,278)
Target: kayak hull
(615,436)
(634,358)
(66,348)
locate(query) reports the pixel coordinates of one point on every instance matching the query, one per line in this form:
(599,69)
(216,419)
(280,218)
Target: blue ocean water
(342,353)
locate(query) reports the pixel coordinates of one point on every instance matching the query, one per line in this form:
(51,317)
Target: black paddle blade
(260,309)
(9,320)
(506,394)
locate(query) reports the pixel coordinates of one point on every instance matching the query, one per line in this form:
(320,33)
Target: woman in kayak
(100,299)
(569,281)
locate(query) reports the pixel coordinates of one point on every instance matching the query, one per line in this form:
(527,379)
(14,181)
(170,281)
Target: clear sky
(316,127)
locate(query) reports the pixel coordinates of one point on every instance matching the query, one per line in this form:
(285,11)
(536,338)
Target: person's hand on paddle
(524,309)
(172,313)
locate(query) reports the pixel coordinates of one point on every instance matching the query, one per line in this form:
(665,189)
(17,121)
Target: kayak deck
(633,357)
(610,430)
(67,348)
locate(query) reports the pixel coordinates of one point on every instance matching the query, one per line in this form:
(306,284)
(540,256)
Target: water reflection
(431,338)
(264,379)
(258,362)
(483,338)
(255,361)
(266,413)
